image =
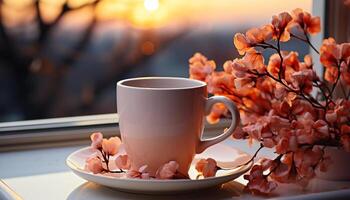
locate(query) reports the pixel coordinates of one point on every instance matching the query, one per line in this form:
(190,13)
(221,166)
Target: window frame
(69,131)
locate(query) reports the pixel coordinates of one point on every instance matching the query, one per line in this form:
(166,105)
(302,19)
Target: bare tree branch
(123,67)
(68,61)
(45,28)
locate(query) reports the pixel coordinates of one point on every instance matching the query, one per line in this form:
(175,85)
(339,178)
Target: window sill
(68,131)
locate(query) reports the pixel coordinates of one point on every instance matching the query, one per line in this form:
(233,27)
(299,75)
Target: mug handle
(203,144)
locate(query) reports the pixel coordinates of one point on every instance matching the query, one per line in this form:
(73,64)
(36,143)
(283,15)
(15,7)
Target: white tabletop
(42,174)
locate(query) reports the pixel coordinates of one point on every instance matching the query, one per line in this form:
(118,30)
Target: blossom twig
(278,160)
(307,40)
(334,84)
(253,157)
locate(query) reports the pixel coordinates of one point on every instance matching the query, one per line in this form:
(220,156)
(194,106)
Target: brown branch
(45,28)
(66,9)
(306,40)
(311,45)
(105,159)
(277,159)
(280,72)
(308,98)
(335,84)
(253,157)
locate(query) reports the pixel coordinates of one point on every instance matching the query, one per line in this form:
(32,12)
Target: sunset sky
(148,13)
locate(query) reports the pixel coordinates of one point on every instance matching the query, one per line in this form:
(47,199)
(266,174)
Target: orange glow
(155,13)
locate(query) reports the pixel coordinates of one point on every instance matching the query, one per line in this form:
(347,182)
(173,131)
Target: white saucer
(226,157)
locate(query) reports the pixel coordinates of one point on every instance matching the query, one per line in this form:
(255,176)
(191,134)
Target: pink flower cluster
(207,167)
(276,101)
(107,149)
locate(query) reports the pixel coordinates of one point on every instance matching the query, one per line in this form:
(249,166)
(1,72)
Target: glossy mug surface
(162,119)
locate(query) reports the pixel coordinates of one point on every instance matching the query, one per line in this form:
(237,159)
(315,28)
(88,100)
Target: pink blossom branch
(310,99)
(106,160)
(300,93)
(239,97)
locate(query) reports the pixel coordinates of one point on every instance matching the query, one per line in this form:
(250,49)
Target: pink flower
(96,140)
(303,79)
(239,68)
(306,22)
(207,167)
(259,35)
(220,82)
(243,83)
(280,23)
(334,56)
(305,160)
(140,173)
(200,67)
(321,129)
(258,183)
(282,145)
(94,165)
(268,142)
(168,170)
(245,43)
(111,146)
(273,66)
(283,173)
(122,162)
(241,43)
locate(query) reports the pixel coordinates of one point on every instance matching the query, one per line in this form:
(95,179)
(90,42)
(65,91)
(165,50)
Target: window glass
(61,58)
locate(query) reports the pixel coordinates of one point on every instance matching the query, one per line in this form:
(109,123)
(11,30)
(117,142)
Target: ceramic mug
(162,119)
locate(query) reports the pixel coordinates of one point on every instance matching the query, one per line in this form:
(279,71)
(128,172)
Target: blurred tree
(32,79)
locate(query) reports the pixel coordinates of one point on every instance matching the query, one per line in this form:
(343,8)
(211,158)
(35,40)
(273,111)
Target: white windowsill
(39,171)
(40,174)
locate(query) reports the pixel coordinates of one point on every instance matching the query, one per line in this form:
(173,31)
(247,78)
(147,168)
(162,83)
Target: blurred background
(62,58)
